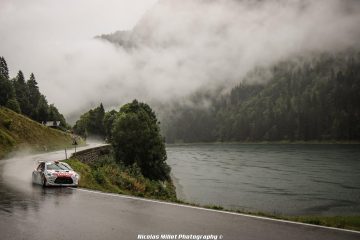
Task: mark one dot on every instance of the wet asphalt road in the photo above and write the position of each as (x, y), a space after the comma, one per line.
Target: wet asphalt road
(31, 212)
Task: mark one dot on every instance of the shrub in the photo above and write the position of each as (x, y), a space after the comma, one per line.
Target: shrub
(99, 176)
(7, 123)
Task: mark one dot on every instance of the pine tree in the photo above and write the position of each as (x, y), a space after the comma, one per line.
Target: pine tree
(22, 93)
(7, 91)
(4, 71)
(54, 115)
(5, 85)
(42, 109)
(34, 95)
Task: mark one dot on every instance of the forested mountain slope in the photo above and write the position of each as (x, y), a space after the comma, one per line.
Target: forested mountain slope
(304, 98)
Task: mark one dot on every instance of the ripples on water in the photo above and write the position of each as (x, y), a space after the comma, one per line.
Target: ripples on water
(282, 179)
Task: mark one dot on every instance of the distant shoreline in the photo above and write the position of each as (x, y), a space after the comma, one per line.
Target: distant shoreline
(269, 143)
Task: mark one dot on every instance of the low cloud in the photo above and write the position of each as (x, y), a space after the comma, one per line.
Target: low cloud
(176, 49)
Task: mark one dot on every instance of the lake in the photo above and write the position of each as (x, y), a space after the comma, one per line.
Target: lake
(293, 179)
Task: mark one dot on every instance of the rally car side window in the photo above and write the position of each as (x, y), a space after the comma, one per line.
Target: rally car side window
(41, 167)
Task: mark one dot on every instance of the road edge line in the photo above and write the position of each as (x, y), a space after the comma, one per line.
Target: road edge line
(214, 210)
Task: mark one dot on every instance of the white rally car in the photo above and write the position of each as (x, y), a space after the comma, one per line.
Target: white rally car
(55, 173)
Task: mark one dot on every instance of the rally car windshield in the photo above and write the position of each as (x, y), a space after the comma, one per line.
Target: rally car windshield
(58, 166)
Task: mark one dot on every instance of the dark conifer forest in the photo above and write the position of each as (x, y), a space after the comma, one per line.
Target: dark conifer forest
(23, 96)
(304, 99)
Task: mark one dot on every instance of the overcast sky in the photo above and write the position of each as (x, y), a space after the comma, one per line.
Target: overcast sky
(185, 45)
(36, 35)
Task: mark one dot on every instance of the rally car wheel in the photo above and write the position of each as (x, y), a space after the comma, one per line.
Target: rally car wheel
(43, 181)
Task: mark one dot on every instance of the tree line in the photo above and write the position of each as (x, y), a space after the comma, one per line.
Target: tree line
(304, 99)
(134, 133)
(23, 96)
(91, 123)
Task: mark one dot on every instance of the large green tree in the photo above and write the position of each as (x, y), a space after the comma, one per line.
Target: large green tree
(96, 121)
(109, 119)
(136, 139)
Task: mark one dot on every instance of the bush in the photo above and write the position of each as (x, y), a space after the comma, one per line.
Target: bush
(7, 123)
(99, 176)
(13, 104)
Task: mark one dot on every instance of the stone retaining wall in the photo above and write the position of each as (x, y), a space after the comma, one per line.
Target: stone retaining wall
(91, 154)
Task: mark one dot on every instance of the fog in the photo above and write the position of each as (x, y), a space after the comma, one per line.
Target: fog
(178, 47)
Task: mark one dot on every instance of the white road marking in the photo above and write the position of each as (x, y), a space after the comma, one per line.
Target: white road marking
(213, 210)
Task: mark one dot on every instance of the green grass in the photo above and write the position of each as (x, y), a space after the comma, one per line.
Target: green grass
(107, 176)
(18, 132)
(346, 222)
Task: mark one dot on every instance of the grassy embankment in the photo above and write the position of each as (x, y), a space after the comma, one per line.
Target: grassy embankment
(18, 132)
(108, 176)
(345, 222)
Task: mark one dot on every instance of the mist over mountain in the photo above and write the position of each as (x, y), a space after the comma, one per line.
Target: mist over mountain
(176, 49)
(179, 47)
(313, 99)
(191, 58)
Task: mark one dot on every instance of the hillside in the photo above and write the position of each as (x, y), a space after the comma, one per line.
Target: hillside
(24, 96)
(18, 132)
(303, 99)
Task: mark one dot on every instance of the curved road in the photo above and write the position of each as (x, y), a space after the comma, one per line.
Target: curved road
(31, 212)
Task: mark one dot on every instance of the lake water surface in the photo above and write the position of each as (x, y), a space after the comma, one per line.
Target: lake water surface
(283, 179)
